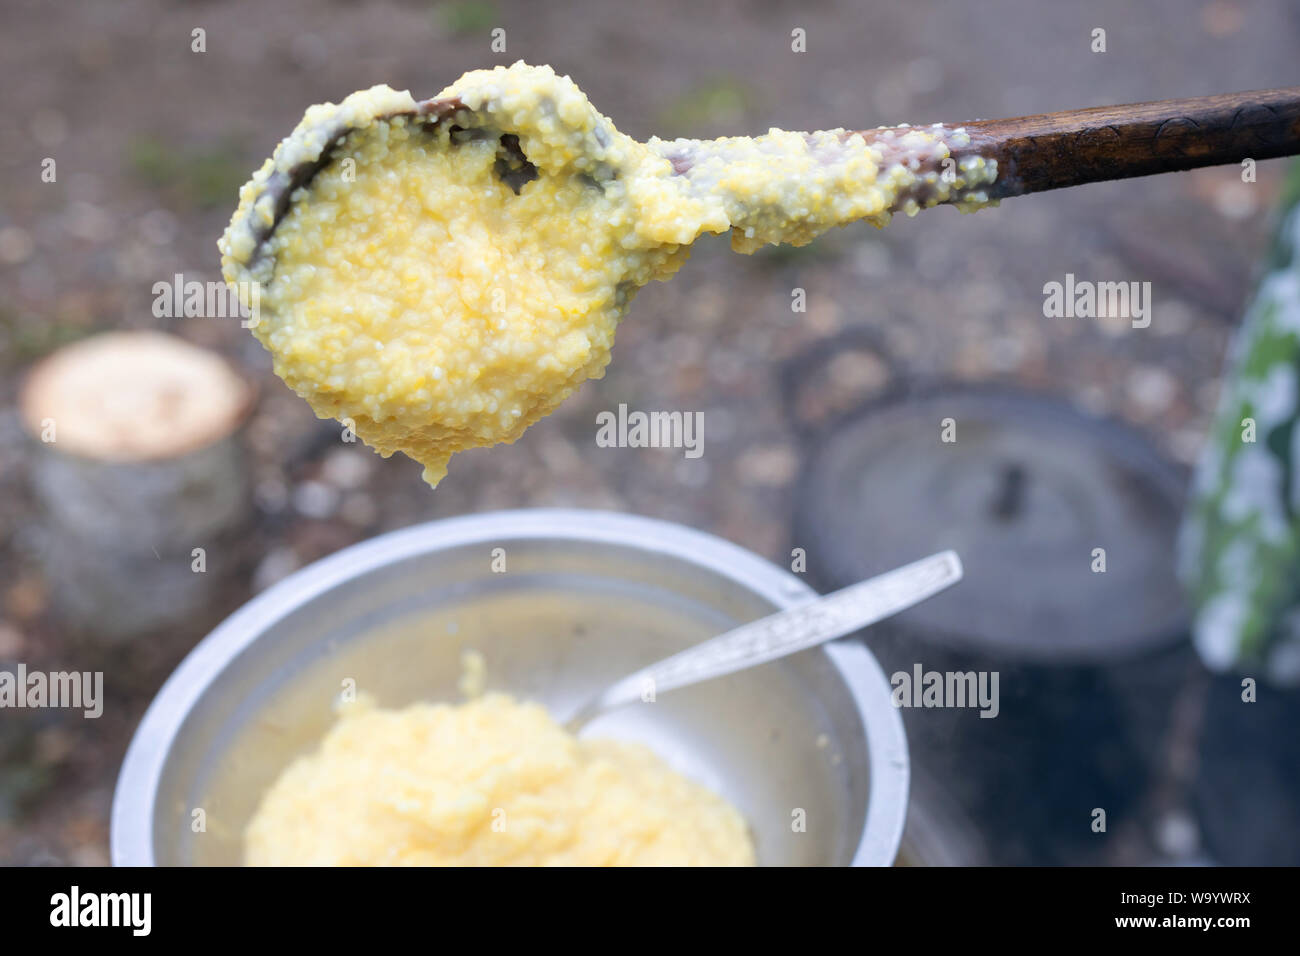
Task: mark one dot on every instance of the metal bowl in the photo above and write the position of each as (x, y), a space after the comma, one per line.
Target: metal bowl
(585, 597)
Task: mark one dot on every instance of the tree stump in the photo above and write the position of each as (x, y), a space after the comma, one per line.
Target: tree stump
(140, 473)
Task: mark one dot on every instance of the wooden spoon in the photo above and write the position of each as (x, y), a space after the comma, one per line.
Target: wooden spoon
(1033, 153)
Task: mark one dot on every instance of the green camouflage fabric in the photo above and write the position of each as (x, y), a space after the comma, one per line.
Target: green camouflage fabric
(1239, 553)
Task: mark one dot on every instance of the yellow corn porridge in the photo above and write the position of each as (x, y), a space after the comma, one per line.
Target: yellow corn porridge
(446, 279)
(491, 782)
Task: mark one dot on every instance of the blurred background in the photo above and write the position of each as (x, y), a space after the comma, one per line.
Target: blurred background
(153, 140)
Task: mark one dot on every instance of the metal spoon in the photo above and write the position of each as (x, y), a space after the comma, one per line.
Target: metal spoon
(778, 635)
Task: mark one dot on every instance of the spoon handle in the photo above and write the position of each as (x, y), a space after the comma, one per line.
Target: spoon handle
(1054, 150)
(801, 627)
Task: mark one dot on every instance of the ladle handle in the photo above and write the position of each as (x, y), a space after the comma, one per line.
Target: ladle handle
(1054, 150)
(777, 635)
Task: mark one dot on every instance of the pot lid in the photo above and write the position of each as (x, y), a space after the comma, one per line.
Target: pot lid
(1025, 493)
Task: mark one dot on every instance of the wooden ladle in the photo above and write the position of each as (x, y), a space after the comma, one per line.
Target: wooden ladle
(1033, 153)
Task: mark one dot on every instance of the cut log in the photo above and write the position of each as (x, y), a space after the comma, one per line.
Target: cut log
(136, 462)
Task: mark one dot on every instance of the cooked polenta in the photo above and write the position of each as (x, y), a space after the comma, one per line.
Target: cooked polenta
(440, 283)
(491, 782)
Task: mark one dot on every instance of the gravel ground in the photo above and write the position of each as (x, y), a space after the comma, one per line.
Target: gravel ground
(152, 141)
